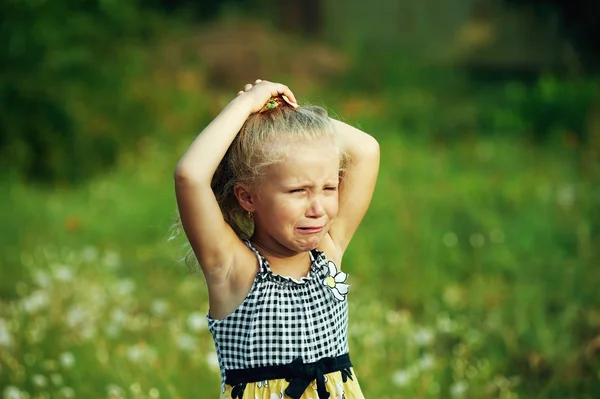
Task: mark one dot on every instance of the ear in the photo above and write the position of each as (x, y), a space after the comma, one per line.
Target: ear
(244, 197)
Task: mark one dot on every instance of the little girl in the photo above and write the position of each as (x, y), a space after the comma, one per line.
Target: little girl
(270, 194)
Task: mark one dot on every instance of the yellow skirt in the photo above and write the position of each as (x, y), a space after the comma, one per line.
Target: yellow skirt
(275, 389)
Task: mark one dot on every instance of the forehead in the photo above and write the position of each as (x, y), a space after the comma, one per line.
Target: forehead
(315, 161)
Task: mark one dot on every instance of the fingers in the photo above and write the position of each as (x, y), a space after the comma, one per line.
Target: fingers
(276, 89)
(248, 87)
(288, 96)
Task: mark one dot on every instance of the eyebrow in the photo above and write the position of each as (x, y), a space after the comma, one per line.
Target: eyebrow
(309, 184)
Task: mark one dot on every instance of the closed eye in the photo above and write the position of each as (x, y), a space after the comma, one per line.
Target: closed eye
(331, 188)
(296, 190)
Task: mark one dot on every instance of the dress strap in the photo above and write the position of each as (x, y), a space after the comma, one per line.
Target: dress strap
(298, 373)
(262, 262)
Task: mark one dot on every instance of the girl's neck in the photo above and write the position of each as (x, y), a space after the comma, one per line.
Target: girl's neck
(296, 264)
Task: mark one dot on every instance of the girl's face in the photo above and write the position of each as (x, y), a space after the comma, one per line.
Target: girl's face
(297, 199)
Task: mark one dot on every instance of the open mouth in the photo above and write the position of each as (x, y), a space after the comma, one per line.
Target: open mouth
(310, 229)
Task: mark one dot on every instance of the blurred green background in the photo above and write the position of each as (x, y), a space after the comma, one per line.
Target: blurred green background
(475, 272)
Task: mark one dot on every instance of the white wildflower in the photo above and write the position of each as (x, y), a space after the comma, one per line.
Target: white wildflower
(11, 392)
(63, 273)
(159, 307)
(135, 388)
(135, 354)
(196, 321)
(140, 353)
(89, 254)
(41, 278)
(76, 316)
(111, 259)
(212, 360)
(56, 379)
(397, 317)
(118, 316)
(112, 330)
(458, 389)
(423, 336)
(114, 391)
(125, 287)
(66, 392)
(88, 331)
(445, 324)
(427, 362)
(450, 239)
(186, 342)
(6, 340)
(401, 378)
(67, 359)
(565, 196)
(36, 301)
(39, 380)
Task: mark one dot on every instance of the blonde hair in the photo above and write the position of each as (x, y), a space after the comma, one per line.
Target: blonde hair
(262, 141)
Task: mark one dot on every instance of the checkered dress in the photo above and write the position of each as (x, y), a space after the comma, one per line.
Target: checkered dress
(282, 319)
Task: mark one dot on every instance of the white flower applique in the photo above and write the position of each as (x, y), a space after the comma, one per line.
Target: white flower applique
(336, 281)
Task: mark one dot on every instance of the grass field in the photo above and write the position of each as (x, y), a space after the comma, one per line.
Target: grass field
(474, 275)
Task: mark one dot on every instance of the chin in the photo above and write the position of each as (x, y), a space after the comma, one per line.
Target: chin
(310, 244)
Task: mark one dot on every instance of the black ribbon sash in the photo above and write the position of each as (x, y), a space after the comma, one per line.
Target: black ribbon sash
(297, 373)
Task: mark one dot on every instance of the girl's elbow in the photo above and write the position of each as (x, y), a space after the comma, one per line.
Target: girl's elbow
(185, 175)
(371, 147)
(181, 173)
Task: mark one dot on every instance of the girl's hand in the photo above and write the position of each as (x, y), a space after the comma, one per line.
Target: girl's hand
(262, 90)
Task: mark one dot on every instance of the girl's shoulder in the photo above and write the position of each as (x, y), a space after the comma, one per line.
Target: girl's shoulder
(330, 250)
(226, 296)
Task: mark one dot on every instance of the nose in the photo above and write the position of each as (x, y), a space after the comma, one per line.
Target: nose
(315, 208)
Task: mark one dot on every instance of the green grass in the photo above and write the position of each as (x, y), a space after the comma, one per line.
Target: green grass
(473, 276)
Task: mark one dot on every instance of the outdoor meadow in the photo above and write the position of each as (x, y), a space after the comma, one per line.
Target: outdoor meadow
(475, 273)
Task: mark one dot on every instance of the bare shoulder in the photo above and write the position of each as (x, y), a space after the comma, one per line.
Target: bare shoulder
(331, 251)
(227, 293)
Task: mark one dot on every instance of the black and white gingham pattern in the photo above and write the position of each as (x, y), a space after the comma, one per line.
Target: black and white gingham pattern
(282, 319)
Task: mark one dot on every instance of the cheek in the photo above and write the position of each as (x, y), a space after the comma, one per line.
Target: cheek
(286, 207)
(332, 206)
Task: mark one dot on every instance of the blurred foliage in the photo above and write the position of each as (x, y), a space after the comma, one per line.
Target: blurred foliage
(83, 83)
(551, 107)
(577, 19)
(64, 100)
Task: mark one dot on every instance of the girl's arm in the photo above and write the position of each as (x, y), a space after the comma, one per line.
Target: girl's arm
(358, 184)
(211, 238)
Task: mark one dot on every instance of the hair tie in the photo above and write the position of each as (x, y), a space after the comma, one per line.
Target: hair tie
(273, 103)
